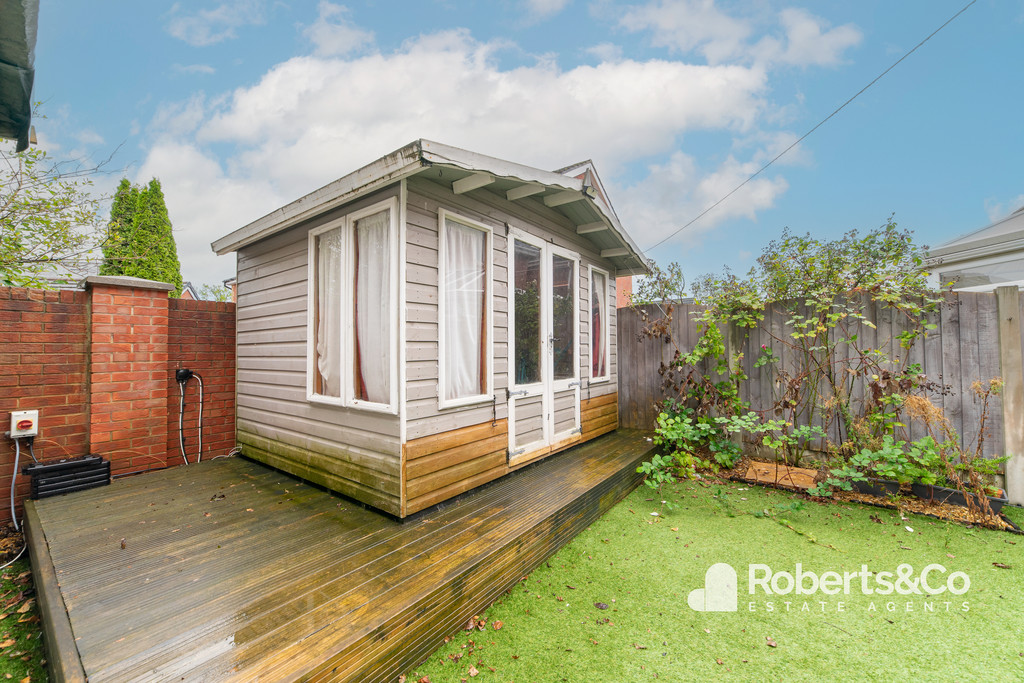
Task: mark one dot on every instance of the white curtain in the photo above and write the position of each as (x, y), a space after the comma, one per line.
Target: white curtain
(328, 328)
(598, 326)
(464, 292)
(373, 309)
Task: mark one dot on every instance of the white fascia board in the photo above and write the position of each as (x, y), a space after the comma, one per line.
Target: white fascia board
(613, 220)
(983, 247)
(400, 164)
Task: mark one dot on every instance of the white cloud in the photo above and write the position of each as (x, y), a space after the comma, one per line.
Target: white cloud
(333, 34)
(89, 137)
(312, 119)
(179, 119)
(700, 26)
(545, 8)
(211, 26)
(606, 52)
(205, 69)
(676, 192)
(204, 203)
(998, 210)
(690, 25)
(807, 42)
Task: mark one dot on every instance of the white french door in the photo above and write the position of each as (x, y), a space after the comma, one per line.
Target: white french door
(544, 363)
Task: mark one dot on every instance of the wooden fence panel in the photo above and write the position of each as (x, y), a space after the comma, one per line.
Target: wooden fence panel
(963, 349)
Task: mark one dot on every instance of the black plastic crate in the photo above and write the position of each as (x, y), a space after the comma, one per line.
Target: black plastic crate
(65, 476)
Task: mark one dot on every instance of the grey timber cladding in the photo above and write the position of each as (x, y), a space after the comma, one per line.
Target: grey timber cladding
(424, 200)
(355, 452)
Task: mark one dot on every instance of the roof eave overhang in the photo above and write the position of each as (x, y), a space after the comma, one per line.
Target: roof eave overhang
(413, 159)
(400, 164)
(966, 251)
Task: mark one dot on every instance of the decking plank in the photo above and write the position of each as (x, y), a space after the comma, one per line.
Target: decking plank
(303, 585)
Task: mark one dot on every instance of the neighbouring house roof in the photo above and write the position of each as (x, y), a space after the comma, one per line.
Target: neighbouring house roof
(577, 194)
(18, 25)
(992, 255)
(188, 291)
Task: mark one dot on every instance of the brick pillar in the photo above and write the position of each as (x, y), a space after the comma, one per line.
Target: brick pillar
(128, 375)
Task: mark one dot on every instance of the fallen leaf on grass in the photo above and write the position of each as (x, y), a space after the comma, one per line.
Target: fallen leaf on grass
(30, 619)
(600, 605)
(472, 671)
(718, 660)
(7, 643)
(771, 641)
(425, 679)
(497, 625)
(1001, 565)
(28, 605)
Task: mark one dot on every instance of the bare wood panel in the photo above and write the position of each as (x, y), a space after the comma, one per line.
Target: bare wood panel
(421, 448)
(447, 464)
(493, 462)
(470, 450)
(436, 496)
(374, 488)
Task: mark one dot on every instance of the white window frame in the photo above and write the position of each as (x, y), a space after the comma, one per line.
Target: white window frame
(544, 293)
(559, 385)
(606, 318)
(347, 223)
(488, 370)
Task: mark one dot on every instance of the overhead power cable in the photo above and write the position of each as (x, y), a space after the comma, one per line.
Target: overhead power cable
(805, 135)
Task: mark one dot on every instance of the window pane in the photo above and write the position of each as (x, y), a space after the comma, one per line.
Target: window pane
(563, 328)
(598, 326)
(372, 303)
(465, 295)
(327, 325)
(527, 313)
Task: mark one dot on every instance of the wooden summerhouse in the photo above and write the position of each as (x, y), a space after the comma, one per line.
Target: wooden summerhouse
(428, 323)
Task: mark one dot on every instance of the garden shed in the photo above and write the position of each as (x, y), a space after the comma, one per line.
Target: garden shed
(428, 323)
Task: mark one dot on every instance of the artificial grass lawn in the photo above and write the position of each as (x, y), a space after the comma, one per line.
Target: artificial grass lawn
(22, 656)
(643, 567)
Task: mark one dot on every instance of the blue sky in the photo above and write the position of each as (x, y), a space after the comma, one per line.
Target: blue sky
(240, 106)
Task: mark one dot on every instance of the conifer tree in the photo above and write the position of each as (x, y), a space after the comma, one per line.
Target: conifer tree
(141, 243)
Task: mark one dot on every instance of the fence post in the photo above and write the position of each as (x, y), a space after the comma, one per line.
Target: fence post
(1012, 368)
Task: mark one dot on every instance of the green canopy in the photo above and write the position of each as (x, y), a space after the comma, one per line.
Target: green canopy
(19, 20)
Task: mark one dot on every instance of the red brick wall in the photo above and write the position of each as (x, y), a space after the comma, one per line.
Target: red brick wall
(43, 366)
(128, 377)
(201, 338)
(99, 366)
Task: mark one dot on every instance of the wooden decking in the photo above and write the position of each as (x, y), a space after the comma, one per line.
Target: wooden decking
(228, 570)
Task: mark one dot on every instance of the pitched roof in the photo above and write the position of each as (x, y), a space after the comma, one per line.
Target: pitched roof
(1002, 236)
(581, 199)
